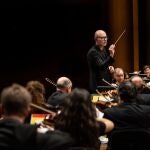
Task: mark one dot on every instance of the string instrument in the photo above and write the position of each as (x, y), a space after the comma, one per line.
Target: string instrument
(106, 98)
(49, 119)
(103, 99)
(113, 92)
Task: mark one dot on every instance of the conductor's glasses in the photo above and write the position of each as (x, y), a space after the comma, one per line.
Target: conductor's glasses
(102, 38)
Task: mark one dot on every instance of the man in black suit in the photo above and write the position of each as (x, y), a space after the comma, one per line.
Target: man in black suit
(100, 60)
(129, 114)
(14, 135)
(63, 87)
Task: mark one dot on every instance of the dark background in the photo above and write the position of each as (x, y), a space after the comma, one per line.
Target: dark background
(51, 40)
(144, 32)
(48, 40)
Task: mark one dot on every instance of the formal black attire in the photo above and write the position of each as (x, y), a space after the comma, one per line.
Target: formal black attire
(129, 116)
(99, 62)
(57, 98)
(17, 136)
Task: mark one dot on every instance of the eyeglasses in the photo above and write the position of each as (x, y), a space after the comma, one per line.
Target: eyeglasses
(102, 38)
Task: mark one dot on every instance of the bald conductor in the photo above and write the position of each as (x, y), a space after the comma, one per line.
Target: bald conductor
(100, 60)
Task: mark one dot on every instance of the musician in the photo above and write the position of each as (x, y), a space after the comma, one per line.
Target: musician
(37, 90)
(100, 60)
(78, 118)
(129, 114)
(146, 70)
(63, 87)
(139, 83)
(119, 76)
(18, 136)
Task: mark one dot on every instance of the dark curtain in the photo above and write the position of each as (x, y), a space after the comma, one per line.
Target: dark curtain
(144, 34)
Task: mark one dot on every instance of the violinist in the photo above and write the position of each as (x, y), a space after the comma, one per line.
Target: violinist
(146, 71)
(37, 90)
(63, 87)
(14, 134)
(128, 115)
(140, 85)
(119, 76)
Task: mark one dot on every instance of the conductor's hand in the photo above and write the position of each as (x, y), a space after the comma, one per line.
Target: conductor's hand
(112, 50)
(111, 69)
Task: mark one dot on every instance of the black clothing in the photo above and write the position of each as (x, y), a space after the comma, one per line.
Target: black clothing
(99, 61)
(129, 140)
(102, 128)
(129, 116)
(143, 99)
(80, 141)
(57, 98)
(17, 136)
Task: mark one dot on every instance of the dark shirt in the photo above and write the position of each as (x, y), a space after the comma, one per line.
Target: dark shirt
(17, 136)
(80, 141)
(129, 116)
(57, 98)
(99, 61)
(143, 99)
(102, 128)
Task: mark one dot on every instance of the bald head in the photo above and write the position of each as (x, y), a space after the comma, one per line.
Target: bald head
(137, 81)
(118, 70)
(100, 37)
(64, 84)
(119, 75)
(99, 33)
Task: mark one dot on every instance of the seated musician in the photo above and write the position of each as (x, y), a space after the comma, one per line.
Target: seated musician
(16, 135)
(146, 70)
(119, 76)
(129, 114)
(64, 86)
(140, 85)
(143, 96)
(37, 90)
(78, 118)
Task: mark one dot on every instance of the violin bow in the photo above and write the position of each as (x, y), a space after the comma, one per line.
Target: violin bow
(50, 81)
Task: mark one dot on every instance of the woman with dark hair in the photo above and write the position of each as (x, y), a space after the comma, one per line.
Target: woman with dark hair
(78, 118)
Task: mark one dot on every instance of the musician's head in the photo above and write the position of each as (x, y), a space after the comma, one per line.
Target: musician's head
(100, 38)
(15, 102)
(37, 90)
(78, 117)
(64, 84)
(127, 91)
(137, 81)
(146, 69)
(119, 75)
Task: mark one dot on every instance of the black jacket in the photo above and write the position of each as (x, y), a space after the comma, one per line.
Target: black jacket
(17, 136)
(98, 62)
(57, 98)
(129, 116)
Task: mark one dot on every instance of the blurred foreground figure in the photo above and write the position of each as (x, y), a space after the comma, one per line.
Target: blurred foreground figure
(14, 135)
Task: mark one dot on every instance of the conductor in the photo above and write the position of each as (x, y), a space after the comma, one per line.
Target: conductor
(100, 60)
